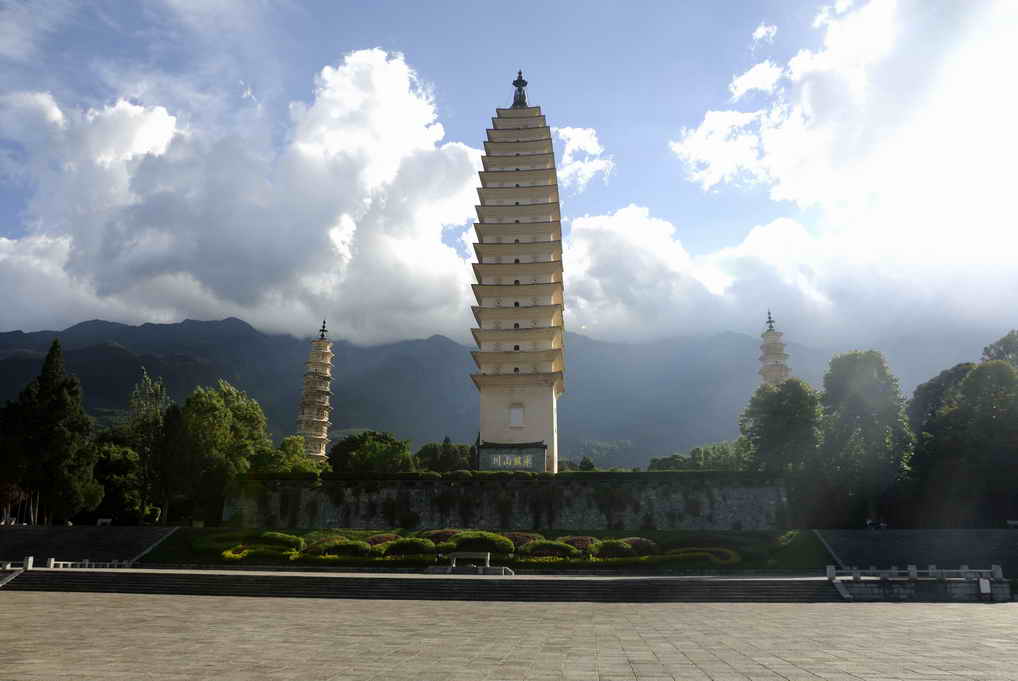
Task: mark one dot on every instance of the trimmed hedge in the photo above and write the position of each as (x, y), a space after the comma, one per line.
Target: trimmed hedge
(613, 548)
(521, 539)
(439, 536)
(581, 542)
(351, 548)
(477, 540)
(544, 547)
(643, 546)
(382, 538)
(410, 546)
(281, 539)
(324, 546)
(716, 554)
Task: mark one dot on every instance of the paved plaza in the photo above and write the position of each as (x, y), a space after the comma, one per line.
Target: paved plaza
(64, 636)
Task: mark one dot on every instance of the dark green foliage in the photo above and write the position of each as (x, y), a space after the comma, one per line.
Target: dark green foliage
(544, 547)
(520, 539)
(720, 456)
(642, 546)
(371, 452)
(933, 395)
(286, 459)
(444, 456)
(475, 540)
(118, 470)
(459, 475)
(410, 546)
(281, 539)
(586, 464)
(782, 426)
(613, 548)
(325, 546)
(48, 445)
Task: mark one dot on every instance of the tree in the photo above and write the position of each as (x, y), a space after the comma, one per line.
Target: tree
(930, 397)
(782, 425)
(371, 452)
(119, 470)
(586, 464)
(52, 434)
(966, 464)
(1005, 349)
(289, 457)
(443, 457)
(146, 410)
(866, 438)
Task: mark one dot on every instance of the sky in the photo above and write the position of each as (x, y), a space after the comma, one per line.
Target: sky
(846, 165)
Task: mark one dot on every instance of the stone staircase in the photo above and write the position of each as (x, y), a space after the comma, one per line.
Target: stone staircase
(642, 590)
(979, 549)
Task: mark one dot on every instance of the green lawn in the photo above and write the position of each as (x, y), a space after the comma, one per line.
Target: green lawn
(755, 550)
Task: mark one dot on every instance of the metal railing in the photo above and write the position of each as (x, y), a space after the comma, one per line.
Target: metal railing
(913, 572)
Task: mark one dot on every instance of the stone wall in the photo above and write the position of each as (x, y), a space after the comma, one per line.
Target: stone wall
(588, 502)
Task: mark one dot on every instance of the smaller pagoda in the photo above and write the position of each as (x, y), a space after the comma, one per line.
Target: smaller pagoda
(313, 416)
(773, 367)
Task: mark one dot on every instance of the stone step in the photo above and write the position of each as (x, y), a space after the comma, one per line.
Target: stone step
(512, 589)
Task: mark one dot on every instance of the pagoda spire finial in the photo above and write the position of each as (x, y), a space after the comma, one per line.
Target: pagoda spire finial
(323, 333)
(520, 98)
(770, 321)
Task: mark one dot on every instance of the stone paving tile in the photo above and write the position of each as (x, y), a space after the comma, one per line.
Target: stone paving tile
(87, 637)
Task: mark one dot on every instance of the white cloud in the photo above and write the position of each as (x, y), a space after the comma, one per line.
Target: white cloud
(24, 25)
(896, 133)
(764, 33)
(576, 172)
(763, 77)
(135, 217)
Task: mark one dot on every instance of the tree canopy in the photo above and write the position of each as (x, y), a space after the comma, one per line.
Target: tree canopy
(371, 451)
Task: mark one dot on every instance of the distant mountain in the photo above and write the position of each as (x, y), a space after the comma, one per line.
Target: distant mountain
(662, 397)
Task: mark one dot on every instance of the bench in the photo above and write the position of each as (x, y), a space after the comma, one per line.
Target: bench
(471, 555)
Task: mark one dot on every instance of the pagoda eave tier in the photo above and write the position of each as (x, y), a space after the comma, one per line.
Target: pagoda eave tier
(486, 230)
(494, 357)
(553, 378)
(546, 211)
(514, 163)
(522, 148)
(482, 314)
(501, 178)
(551, 334)
(538, 193)
(521, 112)
(528, 134)
(482, 291)
(510, 269)
(519, 122)
(553, 248)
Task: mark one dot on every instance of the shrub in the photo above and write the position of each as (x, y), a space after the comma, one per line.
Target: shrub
(235, 553)
(642, 546)
(581, 542)
(382, 538)
(544, 547)
(270, 551)
(321, 535)
(410, 546)
(524, 475)
(378, 550)
(521, 539)
(613, 548)
(459, 475)
(351, 548)
(445, 547)
(476, 540)
(325, 546)
(439, 535)
(281, 539)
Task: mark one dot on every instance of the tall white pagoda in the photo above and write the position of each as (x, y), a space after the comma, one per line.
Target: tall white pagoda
(313, 417)
(521, 339)
(773, 367)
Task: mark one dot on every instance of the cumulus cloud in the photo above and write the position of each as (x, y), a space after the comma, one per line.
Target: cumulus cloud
(763, 77)
(896, 135)
(577, 172)
(764, 33)
(135, 213)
